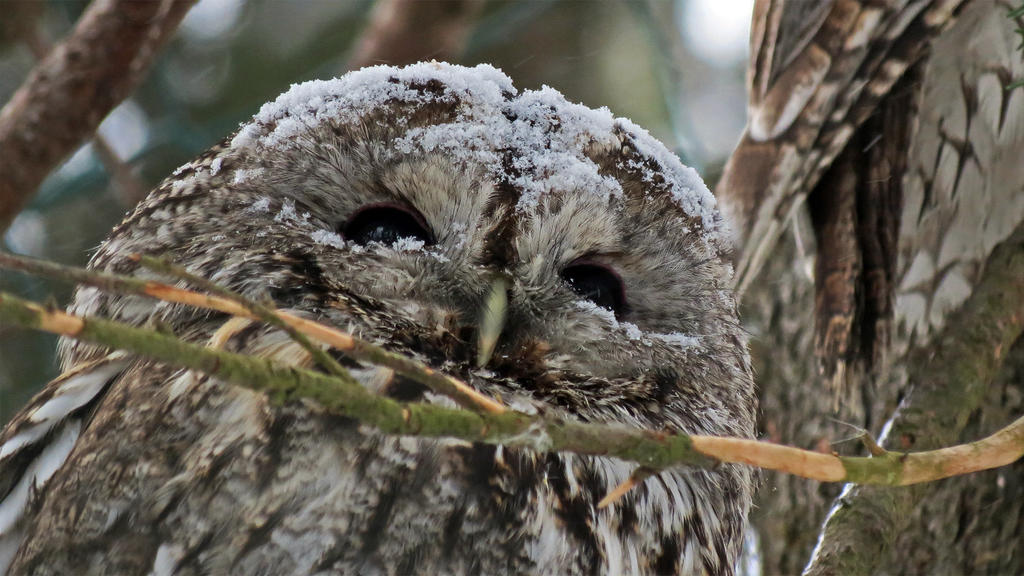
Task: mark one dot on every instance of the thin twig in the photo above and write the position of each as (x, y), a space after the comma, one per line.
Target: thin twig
(873, 447)
(439, 382)
(264, 313)
(635, 479)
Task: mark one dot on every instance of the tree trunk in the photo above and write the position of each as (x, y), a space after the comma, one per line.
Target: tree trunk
(897, 231)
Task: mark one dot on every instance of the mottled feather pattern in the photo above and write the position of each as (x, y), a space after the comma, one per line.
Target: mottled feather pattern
(803, 114)
(179, 473)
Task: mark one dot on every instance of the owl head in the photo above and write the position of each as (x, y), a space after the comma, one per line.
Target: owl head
(390, 200)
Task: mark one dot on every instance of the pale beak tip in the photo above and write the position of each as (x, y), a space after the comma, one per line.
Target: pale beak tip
(492, 320)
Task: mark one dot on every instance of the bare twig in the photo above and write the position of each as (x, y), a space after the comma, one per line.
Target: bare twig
(128, 187)
(635, 479)
(360, 350)
(406, 31)
(74, 87)
(345, 397)
(264, 313)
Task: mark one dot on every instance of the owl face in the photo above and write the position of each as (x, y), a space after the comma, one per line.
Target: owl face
(416, 188)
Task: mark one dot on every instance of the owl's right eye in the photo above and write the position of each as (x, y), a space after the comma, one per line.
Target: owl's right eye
(597, 283)
(386, 224)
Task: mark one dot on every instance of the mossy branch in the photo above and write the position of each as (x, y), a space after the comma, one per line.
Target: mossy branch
(342, 395)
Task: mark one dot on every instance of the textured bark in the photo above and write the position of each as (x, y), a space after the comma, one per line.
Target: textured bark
(973, 524)
(795, 408)
(855, 212)
(951, 159)
(948, 382)
(70, 91)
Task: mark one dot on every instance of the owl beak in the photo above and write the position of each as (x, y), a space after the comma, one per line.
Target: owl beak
(492, 320)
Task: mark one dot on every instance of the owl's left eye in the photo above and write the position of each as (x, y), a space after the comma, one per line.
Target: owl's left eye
(386, 224)
(597, 283)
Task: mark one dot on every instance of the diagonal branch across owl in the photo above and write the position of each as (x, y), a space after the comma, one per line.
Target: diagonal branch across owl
(891, 468)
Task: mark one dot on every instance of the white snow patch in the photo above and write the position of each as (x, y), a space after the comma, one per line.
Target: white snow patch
(439, 256)
(243, 175)
(354, 95)
(260, 205)
(604, 313)
(182, 183)
(327, 238)
(547, 136)
(408, 244)
(289, 214)
(633, 331)
(215, 166)
(678, 339)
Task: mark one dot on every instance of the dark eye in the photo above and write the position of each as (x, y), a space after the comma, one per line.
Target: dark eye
(386, 223)
(597, 283)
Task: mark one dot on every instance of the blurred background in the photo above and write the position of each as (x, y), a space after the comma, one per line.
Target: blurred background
(676, 67)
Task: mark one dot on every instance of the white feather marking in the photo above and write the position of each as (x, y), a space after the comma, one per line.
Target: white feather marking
(74, 393)
(612, 546)
(54, 455)
(24, 439)
(166, 561)
(9, 545)
(181, 384)
(36, 476)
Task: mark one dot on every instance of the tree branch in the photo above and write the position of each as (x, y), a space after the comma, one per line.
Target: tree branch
(74, 87)
(948, 379)
(340, 394)
(264, 313)
(344, 396)
(234, 304)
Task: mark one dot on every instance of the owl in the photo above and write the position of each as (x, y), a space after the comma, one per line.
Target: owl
(384, 203)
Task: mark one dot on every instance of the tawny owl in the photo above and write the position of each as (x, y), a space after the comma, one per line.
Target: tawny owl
(384, 203)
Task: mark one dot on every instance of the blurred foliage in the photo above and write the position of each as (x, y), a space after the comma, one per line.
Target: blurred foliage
(230, 56)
